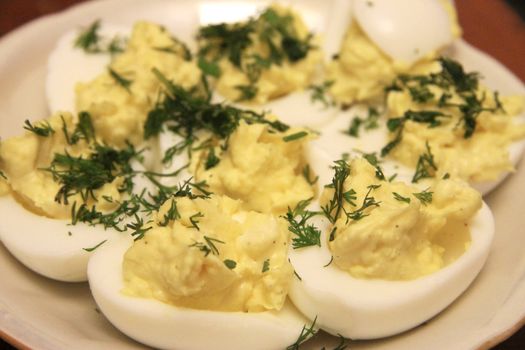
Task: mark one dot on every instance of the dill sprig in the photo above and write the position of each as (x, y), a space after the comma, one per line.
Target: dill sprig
(92, 42)
(187, 111)
(43, 128)
(79, 175)
(208, 246)
(368, 123)
(333, 209)
(319, 93)
(120, 80)
(426, 166)
(425, 197)
(306, 333)
(305, 234)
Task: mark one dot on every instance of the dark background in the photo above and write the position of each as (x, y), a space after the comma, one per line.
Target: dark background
(494, 26)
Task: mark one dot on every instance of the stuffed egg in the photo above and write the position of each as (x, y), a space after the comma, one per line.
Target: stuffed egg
(59, 179)
(376, 276)
(385, 39)
(212, 268)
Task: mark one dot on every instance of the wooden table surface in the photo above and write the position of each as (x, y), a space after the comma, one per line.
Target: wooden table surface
(491, 25)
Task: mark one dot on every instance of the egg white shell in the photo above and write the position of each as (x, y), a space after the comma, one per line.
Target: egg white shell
(405, 30)
(44, 245)
(368, 309)
(169, 327)
(68, 65)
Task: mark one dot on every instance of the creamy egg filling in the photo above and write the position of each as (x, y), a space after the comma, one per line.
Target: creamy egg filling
(393, 231)
(361, 71)
(120, 98)
(467, 128)
(260, 59)
(27, 163)
(261, 167)
(211, 255)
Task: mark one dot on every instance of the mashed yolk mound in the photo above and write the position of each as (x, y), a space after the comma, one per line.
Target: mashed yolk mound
(261, 169)
(213, 256)
(401, 239)
(24, 158)
(118, 111)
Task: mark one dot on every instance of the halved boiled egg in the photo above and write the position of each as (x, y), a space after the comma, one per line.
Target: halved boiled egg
(167, 326)
(368, 308)
(406, 30)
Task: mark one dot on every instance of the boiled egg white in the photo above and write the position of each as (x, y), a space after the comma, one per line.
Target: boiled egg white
(164, 326)
(53, 247)
(68, 65)
(405, 30)
(373, 308)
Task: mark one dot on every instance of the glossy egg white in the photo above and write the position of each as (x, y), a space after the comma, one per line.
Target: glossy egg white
(68, 65)
(373, 308)
(405, 30)
(53, 247)
(164, 326)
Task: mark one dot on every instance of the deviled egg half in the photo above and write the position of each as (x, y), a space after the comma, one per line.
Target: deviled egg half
(391, 255)
(207, 275)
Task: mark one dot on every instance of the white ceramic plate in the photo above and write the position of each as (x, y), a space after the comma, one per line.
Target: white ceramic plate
(44, 315)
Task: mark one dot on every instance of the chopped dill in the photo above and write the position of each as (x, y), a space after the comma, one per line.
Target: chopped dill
(296, 136)
(95, 247)
(426, 167)
(266, 266)
(306, 333)
(231, 264)
(305, 235)
(42, 129)
(400, 198)
(319, 93)
(120, 80)
(425, 197)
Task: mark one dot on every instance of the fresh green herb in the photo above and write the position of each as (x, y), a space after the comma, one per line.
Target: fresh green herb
(334, 207)
(187, 112)
(297, 275)
(306, 333)
(305, 234)
(374, 161)
(91, 42)
(78, 175)
(95, 247)
(307, 174)
(426, 167)
(332, 234)
(328, 263)
(319, 93)
(432, 118)
(369, 123)
(89, 39)
(247, 92)
(446, 176)
(120, 80)
(296, 136)
(171, 214)
(424, 197)
(138, 228)
(212, 160)
(2, 175)
(209, 68)
(44, 129)
(392, 178)
(368, 202)
(208, 246)
(266, 265)
(231, 264)
(194, 220)
(400, 198)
